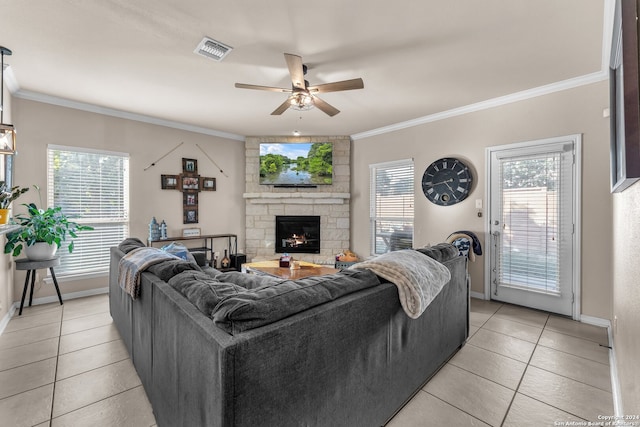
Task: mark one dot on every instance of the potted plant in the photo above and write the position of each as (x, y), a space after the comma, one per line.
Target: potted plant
(8, 195)
(42, 232)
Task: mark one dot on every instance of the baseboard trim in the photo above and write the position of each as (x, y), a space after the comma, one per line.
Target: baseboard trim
(615, 380)
(595, 321)
(478, 295)
(613, 369)
(5, 320)
(67, 296)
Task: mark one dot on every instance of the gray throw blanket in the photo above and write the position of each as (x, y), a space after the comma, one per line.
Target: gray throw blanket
(418, 277)
(134, 263)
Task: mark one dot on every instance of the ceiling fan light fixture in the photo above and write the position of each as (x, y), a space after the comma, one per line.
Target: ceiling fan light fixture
(302, 97)
(212, 49)
(301, 101)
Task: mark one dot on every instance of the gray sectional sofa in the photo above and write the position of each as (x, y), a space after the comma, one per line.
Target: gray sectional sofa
(350, 357)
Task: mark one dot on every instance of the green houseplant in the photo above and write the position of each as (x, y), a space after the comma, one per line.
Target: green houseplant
(8, 195)
(49, 226)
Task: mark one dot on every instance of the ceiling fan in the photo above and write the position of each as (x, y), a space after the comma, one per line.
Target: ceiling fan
(303, 96)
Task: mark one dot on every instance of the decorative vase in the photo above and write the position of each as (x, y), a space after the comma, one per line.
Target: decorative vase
(41, 251)
(4, 216)
(226, 262)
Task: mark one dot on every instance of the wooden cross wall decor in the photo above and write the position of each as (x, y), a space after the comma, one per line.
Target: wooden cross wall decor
(190, 184)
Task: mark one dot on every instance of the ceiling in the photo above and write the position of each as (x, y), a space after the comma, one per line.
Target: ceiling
(418, 58)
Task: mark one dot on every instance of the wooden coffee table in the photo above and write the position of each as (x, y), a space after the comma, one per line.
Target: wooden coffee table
(272, 268)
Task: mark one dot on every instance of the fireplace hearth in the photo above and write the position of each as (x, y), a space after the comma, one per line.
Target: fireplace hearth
(297, 234)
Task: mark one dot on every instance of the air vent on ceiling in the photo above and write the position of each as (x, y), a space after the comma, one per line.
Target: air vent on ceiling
(212, 49)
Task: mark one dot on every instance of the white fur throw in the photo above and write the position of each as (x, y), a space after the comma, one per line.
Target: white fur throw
(418, 277)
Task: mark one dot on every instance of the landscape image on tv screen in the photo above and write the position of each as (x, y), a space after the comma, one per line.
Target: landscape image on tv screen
(296, 163)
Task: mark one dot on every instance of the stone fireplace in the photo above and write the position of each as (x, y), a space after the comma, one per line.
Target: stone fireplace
(330, 203)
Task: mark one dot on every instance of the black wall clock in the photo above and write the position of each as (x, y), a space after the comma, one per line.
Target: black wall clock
(447, 181)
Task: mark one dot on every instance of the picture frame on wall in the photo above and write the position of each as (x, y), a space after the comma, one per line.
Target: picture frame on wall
(189, 166)
(190, 199)
(190, 183)
(169, 182)
(190, 215)
(624, 100)
(207, 184)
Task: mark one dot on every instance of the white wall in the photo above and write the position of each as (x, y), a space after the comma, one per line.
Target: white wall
(626, 294)
(573, 111)
(222, 211)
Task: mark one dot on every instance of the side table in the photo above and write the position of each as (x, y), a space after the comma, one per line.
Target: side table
(31, 267)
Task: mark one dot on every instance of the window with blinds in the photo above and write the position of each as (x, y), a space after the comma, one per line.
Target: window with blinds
(92, 188)
(535, 225)
(391, 206)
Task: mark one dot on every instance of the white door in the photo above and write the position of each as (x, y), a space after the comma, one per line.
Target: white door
(533, 203)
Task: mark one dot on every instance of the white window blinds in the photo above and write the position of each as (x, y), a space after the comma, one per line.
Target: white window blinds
(92, 188)
(536, 226)
(391, 206)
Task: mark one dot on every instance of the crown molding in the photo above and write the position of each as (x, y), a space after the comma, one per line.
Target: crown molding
(54, 100)
(608, 13)
(490, 103)
(479, 106)
(603, 74)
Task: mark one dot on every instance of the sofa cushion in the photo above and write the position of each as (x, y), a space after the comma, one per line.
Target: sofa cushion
(265, 305)
(200, 258)
(441, 252)
(202, 290)
(169, 268)
(129, 244)
(248, 281)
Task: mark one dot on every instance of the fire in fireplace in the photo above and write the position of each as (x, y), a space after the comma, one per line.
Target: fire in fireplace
(298, 234)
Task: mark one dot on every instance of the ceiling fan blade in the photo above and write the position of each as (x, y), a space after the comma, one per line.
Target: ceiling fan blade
(282, 108)
(323, 106)
(338, 86)
(294, 62)
(269, 88)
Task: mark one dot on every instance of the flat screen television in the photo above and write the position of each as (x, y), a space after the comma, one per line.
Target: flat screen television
(296, 164)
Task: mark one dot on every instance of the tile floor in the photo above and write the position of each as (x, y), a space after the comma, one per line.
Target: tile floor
(520, 367)
(66, 366)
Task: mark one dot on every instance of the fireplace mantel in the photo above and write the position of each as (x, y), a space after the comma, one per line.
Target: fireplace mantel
(297, 198)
